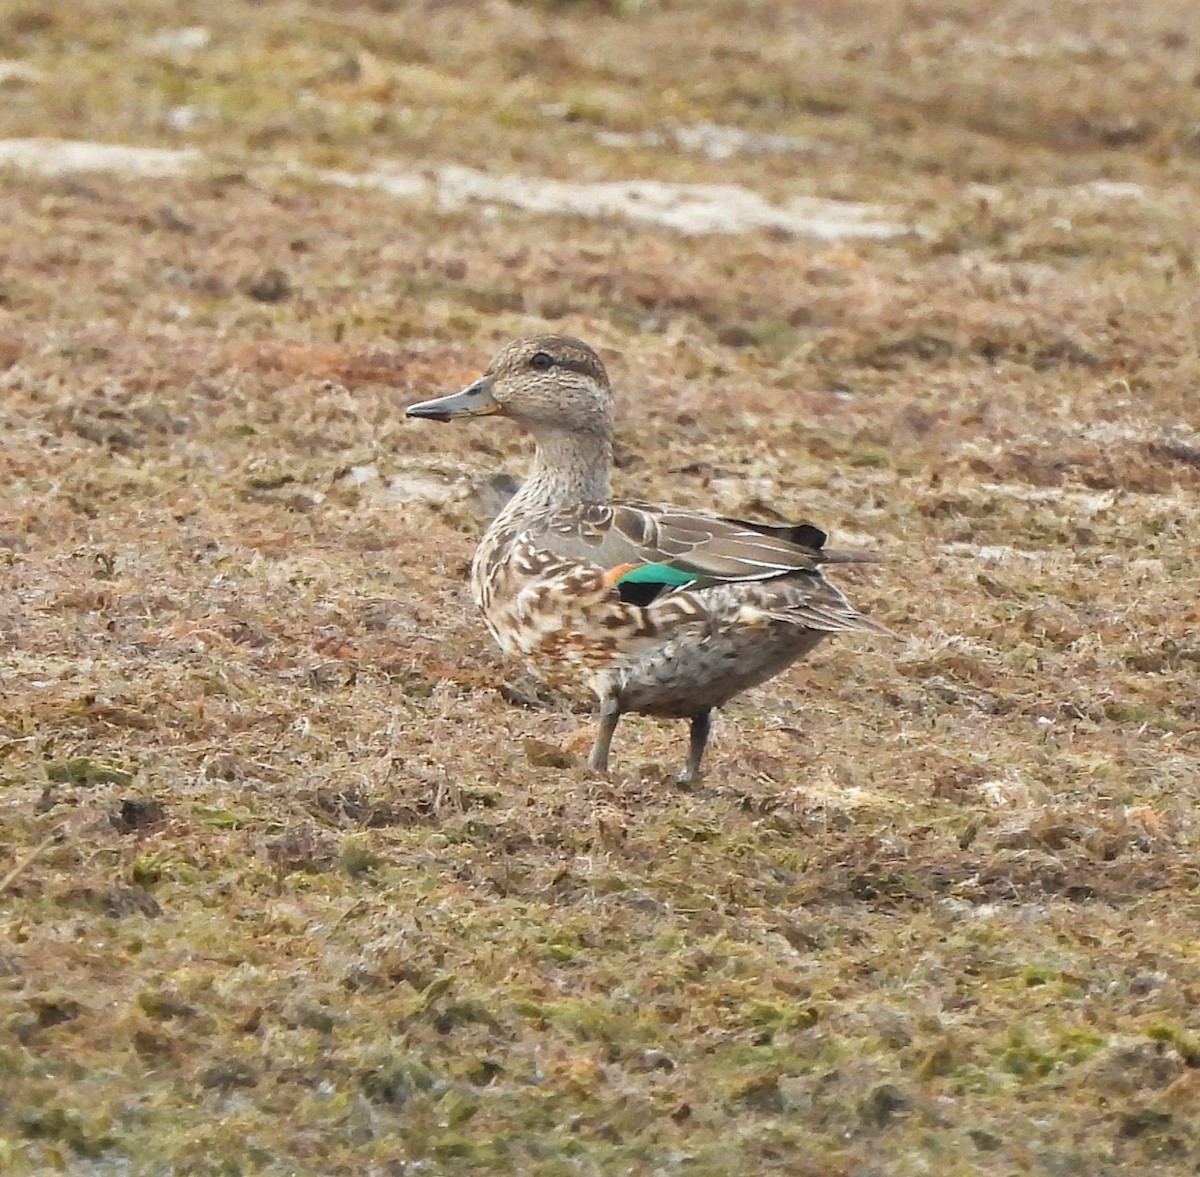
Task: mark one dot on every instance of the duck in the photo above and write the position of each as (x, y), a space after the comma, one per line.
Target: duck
(658, 609)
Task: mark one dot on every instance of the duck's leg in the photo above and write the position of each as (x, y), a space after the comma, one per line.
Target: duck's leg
(610, 712)
(701, 725)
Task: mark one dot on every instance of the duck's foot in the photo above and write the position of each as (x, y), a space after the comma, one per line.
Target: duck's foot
(610, 713)
(701, 725)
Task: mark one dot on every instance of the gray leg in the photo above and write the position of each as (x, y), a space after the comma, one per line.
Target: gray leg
(610, 712)
(698, 739)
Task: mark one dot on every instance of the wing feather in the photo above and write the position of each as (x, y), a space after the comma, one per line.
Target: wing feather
(708, 546)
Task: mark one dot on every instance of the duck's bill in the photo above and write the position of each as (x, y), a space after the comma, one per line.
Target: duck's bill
(475, 400)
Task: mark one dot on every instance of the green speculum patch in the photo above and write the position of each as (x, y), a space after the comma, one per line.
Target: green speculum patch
(656, 574)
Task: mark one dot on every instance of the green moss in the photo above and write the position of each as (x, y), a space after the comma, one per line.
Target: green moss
(1141, 712)
(83, 1132)
(394, 1079)
(148, 870)
(773, 1017)
(87, 771)
(221, 819)
(358, 858)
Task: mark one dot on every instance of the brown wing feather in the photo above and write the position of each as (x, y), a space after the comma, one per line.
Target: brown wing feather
(712, 547)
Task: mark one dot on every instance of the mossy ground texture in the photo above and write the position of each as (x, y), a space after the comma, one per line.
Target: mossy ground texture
(289, 885)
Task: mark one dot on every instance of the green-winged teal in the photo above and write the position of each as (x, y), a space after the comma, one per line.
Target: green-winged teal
(661, 610)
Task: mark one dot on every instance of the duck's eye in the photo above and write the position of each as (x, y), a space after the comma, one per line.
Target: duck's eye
(541, 360)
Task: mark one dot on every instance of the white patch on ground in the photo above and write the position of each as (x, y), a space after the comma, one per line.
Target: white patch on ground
(405, 185)
(183, 40)
(714, 140)
(415, 480)
(1069, 45)
(186, 117)
(921, 648)
(686, 208)
(357, 475)
(1106, 190)
(823, 791)
(1008, 790)
(1162, 433)
(421, 484)
(1090, 192)
(15, 74)
(862, 541)
(1085, 501)
(991, 552)
(60, 157)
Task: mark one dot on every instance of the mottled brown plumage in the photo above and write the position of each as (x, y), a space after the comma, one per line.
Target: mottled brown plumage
(659, 609)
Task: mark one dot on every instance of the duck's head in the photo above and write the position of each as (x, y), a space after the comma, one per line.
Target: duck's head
(548, 383)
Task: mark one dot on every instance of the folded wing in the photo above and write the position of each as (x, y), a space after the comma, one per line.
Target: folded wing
(692, 547)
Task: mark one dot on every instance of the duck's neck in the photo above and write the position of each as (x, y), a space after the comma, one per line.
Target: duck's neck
(568, 468)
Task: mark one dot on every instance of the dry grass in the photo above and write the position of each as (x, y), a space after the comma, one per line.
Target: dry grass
(286, 885)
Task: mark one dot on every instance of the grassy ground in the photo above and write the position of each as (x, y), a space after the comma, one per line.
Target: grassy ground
(287, 886)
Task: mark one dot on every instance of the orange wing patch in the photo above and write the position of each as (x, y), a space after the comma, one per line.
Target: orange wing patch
(614, 574)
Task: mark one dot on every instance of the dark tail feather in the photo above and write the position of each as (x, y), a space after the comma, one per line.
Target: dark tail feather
(805, 535)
